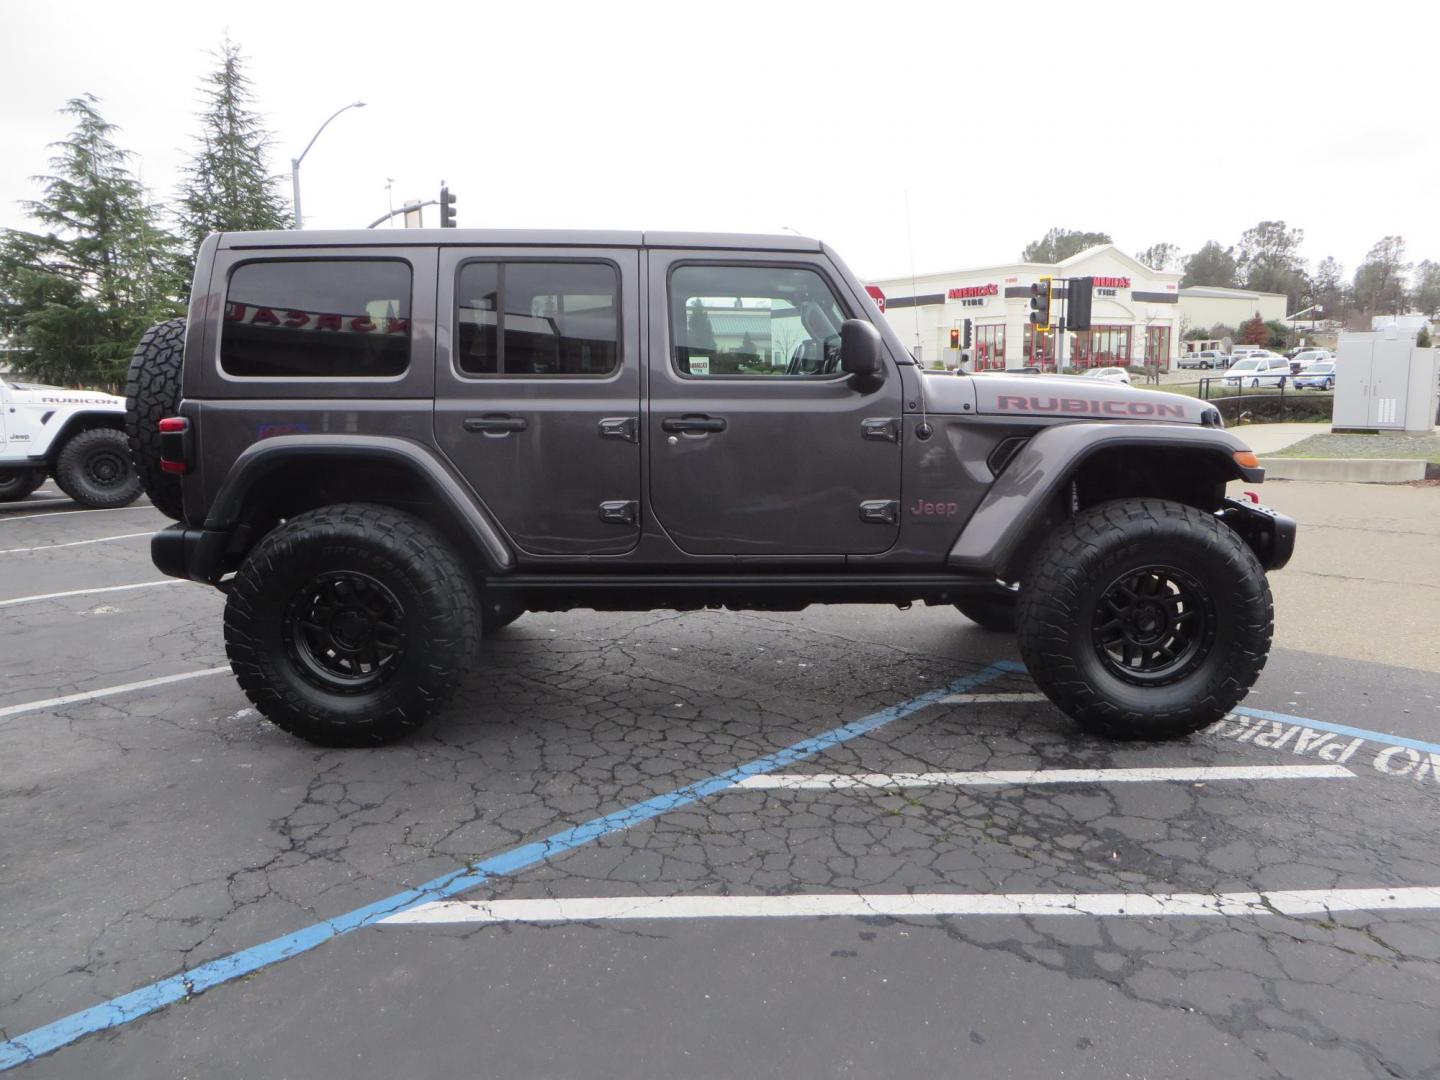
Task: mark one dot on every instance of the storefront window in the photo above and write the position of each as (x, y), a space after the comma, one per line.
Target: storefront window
(1101, 346)
(989, 347)
(1157, 346)
(1043, 355)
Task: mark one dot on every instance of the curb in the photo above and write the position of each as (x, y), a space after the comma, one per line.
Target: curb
(1347, 470)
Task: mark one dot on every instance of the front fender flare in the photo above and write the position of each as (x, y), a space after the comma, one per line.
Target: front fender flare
(1018, 500)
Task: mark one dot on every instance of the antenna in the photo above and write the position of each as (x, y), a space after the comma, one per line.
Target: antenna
(924, 430)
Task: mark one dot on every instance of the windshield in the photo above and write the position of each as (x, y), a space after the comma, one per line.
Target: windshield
(1245, 365)
(1319, 369)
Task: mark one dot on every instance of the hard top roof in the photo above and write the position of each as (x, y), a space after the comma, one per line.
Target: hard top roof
(515, 238)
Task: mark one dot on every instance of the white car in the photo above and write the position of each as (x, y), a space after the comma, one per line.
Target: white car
(1259, 369)
(76, 436)
(1109, 374)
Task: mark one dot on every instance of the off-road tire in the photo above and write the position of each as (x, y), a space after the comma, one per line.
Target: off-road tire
(15, 484)
(152, 392)
(994, 613)
(437, 613)
(94, 469)
(1089, 555)
(497, 614)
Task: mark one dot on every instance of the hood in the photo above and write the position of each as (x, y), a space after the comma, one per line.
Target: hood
(1074, 395)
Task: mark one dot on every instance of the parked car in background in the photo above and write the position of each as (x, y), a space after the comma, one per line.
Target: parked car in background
(1109, 374)
(1318, 376)
(1303, 358)
(1207, 359)
(1262, 368)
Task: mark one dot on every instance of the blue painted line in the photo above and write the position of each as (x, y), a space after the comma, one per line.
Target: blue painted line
(1343, 729)
(148, 999)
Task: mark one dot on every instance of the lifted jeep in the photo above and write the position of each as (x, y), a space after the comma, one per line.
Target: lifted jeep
(382, 445)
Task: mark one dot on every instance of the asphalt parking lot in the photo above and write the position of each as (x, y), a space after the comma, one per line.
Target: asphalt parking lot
(846, 842)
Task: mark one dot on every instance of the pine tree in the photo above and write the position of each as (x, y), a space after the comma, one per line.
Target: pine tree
(76, 295)
(227, 187)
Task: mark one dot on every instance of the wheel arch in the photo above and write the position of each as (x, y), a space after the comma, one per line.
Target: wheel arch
(277, 478)
(78, 423)
(1071, 466)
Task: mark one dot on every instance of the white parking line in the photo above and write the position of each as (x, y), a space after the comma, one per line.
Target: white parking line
(1025, 777)
(62, 513)
(76, 543)
(106, 691)
(87, 592)
(907, 905)
(981, 699)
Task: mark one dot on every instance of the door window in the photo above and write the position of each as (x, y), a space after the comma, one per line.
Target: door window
(755, 321)
(536, 319)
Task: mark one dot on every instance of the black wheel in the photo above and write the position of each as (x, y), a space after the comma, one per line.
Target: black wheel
(1255, 383)
(94, 469)
(351, 625)
(497, 614)
(152, 392)
(995, 613)
(15, 484)
(1145, 619)
(1329, 384)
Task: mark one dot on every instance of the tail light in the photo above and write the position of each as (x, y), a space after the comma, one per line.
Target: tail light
(175, 445)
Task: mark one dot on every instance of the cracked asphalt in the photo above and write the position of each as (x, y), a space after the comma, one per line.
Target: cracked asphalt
(145, 833)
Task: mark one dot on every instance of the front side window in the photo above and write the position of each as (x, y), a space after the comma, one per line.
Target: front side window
(528, 319)
(754, 320)
(317, 318)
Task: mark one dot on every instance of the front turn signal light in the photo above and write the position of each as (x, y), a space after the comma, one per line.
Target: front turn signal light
(1246, 459)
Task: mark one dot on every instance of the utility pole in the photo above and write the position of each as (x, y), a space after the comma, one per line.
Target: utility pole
(295, 162)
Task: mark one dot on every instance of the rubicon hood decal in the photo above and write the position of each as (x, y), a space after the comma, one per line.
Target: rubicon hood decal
(1074, 395)
(1035, 403)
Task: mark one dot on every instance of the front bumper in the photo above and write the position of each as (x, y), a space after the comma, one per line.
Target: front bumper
(1269, 533)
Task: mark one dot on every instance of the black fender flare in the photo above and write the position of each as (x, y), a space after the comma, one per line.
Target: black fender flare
(77, 422)
(1020, 497)
(199, 554)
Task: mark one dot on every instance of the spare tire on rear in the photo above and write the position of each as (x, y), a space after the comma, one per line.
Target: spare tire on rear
(152, 392)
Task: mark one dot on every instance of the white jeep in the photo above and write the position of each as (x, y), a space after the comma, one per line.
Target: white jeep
(76, 436)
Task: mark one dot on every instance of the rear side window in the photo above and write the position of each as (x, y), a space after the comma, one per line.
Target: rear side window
(529, 319)
(317, 319)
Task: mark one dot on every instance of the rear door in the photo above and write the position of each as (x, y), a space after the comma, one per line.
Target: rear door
(537, 391)
(759, 444)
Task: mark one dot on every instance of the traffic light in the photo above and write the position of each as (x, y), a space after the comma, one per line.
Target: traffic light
(1040, 303)
(954, 337)
(967, 333)
(447, 208)
(1082, 291)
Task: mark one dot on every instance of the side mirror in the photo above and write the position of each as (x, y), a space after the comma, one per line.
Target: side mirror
(860, 352)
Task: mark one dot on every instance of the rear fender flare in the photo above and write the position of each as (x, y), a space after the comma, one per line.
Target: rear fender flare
(262, 460)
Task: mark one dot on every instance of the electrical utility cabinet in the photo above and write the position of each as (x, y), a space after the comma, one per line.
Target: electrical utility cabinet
(1384, 383)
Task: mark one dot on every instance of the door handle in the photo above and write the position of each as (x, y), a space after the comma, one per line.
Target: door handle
(495, 425)
(692, 425)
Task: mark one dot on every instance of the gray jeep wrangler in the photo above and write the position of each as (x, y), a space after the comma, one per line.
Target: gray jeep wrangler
(381, 446)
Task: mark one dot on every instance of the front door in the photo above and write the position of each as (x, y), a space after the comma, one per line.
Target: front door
(759, 444)
(537, 391)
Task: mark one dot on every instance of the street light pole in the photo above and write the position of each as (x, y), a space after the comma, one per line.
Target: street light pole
(295, 162)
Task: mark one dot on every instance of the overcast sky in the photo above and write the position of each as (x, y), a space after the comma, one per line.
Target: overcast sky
(1157, 121)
